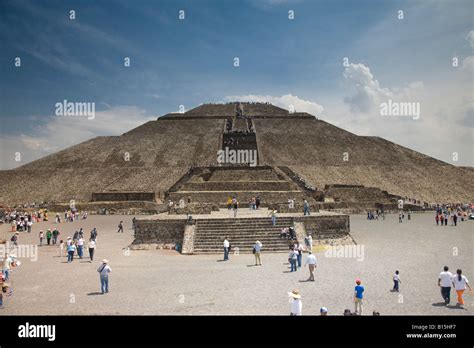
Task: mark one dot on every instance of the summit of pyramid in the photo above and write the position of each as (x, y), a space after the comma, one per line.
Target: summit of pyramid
(223, 110)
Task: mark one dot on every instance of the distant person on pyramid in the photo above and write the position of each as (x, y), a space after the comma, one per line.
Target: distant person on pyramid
(235, 206)
(273, 215)
(306, 207)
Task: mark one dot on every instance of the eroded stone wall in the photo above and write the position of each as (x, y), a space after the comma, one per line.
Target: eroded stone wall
(159, 231)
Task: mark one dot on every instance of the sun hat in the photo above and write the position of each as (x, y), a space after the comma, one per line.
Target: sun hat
(295, 294)
(105, 261)
(358, 281)
(323, 310)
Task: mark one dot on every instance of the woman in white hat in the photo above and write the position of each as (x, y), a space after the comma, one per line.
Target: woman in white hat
(295, 301)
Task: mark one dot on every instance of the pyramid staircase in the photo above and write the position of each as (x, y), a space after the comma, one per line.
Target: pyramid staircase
(242, 233)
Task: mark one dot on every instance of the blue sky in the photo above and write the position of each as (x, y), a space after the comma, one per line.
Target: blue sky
(190, 61)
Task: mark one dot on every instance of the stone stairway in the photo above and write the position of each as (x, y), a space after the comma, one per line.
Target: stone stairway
(241, 233)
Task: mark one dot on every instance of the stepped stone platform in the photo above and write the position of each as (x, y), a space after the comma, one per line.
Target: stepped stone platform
(216, 184)
(205, 233)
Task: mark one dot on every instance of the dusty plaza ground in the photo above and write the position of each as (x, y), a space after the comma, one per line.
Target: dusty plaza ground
(165, 282)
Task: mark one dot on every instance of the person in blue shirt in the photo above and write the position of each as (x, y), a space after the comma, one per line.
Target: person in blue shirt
(358, 296)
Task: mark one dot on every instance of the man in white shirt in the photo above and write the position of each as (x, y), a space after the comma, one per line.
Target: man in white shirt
(296, 304)
(104, 271)
(6, 266)
(226, 249)
(444, 282)
(311, 261)
(256, 251)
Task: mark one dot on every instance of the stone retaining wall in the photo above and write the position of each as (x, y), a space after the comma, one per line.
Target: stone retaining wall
(323, 227)
(159, 231)
(122, 207)
(123, 196)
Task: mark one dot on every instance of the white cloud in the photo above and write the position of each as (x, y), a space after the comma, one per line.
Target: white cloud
(367, 94)
(61, 132)
(284, 101)
(470, 38)
(468, 62)
(445, 105)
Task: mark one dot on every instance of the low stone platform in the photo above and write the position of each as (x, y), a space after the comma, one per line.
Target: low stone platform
(205, 233)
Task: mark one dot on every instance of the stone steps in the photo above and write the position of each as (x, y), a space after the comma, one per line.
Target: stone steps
(241, 233)
(228, 186)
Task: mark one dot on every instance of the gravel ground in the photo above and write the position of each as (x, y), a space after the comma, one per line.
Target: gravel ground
(165, 282)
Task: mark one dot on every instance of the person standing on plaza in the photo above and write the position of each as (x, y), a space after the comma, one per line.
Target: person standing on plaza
(311, 262)
(104, 271)
(299, 249)
(61, 248)
(94, 234)
(49, 234)
(71, 249)
(6, 266)
(292, 259)
(396, 281)
(91, 246)
(296, 305)
(444, 282)
(226, 249)
(120, 227)
(308, 241)
(460, 283)
(55, 236)
(256, 251)
(41, 236)
(358, 296)
(80, 247)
